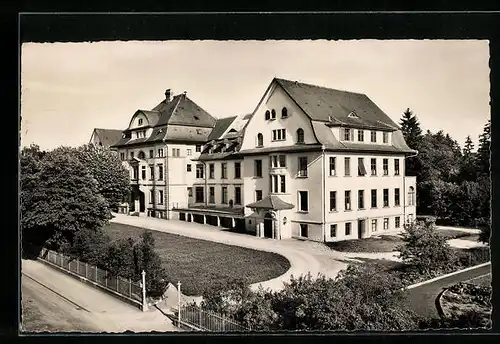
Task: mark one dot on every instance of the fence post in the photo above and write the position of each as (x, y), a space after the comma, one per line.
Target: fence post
(106, 278)
(130, 288)
(179, 302)
(77, 266)
(200, 316)
(95, 267)
(144, 301)
(223, 323)
(86, 266)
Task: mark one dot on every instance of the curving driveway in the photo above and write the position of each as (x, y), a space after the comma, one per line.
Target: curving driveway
(304, 256)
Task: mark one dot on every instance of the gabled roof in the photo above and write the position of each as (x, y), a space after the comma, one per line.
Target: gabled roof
(152, 116)
(221, 126)
(108, 137)
(334, 106)
(183, 111)
(271, 202)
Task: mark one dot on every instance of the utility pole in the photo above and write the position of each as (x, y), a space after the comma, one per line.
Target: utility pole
(179, 303)
(144, 301)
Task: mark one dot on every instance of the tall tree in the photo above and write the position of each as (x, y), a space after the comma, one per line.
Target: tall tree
(483, 150)
(467, 164)
(112, 178)
(411, 129)
(468, 146)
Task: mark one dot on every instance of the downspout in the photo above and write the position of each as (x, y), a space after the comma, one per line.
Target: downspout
(404, 186)
(323, 202)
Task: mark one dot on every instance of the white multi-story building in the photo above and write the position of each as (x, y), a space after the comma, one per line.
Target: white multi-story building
(310, 162)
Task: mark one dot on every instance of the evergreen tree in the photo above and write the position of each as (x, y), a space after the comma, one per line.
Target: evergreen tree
(483, 150)
(411, 129)
(468, 147)
(468, 165)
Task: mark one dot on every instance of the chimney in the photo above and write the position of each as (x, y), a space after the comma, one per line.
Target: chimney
(184, 93)
(168, 95)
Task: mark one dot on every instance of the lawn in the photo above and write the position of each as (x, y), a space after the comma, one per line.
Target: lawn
(388, 243)
(200, 264)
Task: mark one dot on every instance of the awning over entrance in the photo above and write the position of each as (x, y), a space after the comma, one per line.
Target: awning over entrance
(271, 202)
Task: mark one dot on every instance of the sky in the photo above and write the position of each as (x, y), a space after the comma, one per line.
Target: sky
(68, 89)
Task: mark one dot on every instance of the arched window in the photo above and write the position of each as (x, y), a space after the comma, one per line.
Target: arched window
(284, 113)
(141, 155)
(140, 121)
(260, 140)
(300, 135)
(268, 115)
(411, 195)
(273, 114)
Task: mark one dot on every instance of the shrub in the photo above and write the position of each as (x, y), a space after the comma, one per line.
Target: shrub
(120, 260)
(90, 246)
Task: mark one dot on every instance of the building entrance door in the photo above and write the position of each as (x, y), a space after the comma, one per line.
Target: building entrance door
(268, 228)
(361, 229)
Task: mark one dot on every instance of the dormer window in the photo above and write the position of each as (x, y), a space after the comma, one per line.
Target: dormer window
(273, 114)
(140, 121)
(385, 137)
(196, 118)
(300, 135)
(260, 140)
(348, 134)
(141, 155)
(268, 115)
(284, 113)
(353, 115)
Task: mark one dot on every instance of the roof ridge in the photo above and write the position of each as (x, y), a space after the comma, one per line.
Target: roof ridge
(318, 86)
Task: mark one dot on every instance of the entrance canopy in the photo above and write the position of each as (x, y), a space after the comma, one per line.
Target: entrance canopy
(271, 202)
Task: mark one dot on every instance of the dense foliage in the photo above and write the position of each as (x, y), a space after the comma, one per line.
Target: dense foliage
(452, 184)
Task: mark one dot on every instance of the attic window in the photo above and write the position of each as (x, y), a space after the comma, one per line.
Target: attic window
(268, 115)
(198, 131)
(353, 115)
(232, 130)
(197, 118)
(140, 121)
(284, 113)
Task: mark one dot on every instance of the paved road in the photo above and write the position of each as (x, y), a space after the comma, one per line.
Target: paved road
(87, 308)
(422, 299)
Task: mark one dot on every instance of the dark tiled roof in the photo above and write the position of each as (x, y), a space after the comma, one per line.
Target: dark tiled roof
(183, 111)
(271, 202)
(152, 116)
(108, 137)
(325, 104)
(292, 148)
(221, 126)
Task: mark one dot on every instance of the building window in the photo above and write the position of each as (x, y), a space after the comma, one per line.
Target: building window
(374, 225)
(347, 166)
(386, 197)
(361, 167)
(278, 160)
(140, 121)
(199, 194)
(279, 134)
(385, 137)
(273, 114)
(151, 196)
(396, 167)
(258, 168)
(274, 183)
(188, 167)
(373, 136)
(361, 199)
(141, 155)
(143, 172)
(160, 172)
(237, 170)
(333, 200)
(260, 140)
(373, 166)
(224, 195)
(152, 171)
(189, 151)
(374, 198)
(131, 155)
(190, 191)
(223, 173)
(333, 231)
(211, 171)
(348, 226)
(411, 196)
(302, 167)
(347, 134)
(386, 223)
(199, 170)
(304, 230)
(258, 195)
(122, 156)
(198, 148)
(268, 115)
(396, 197)
(303, 201)
(300, 135)
(347, 200)
(332, 166)
(211, 195)
(151, 153)
(237, 195)
(282, 184)
(397, 222)
(135, 172)
(176, 152)
(361, 135)
(160, 152)
(284, 113)
(160, 196)
(385, 164)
